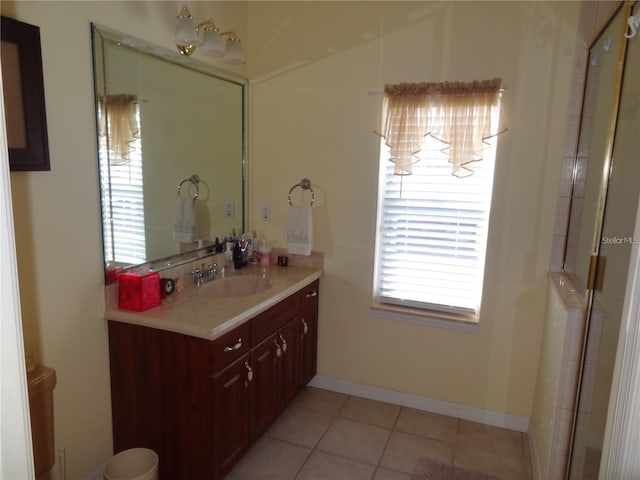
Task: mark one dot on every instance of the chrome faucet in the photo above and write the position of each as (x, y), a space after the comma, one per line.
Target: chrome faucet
(204, 274)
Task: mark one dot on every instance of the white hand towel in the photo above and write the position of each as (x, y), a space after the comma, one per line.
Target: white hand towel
(184, 228)
(300, 230)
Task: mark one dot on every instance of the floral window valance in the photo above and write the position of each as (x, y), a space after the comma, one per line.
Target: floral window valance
(457, 114)
(119, 125)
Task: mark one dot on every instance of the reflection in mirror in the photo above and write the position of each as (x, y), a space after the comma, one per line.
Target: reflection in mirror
(171, 142)
(594, 152)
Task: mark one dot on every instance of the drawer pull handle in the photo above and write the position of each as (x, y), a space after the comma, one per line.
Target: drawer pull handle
(305, 327)
(278, 349)
(249, 372)
(237, 346)
(284, 344)
(312, 294)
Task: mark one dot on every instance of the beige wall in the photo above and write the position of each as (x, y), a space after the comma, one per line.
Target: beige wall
(312, 117)
(57, 214)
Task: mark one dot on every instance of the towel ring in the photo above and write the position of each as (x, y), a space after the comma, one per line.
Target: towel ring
(195, 179)
(304, 184)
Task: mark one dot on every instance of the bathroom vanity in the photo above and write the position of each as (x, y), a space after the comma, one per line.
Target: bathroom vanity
(201, 377)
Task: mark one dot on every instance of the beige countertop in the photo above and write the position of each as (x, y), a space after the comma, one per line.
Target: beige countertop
(192, 312)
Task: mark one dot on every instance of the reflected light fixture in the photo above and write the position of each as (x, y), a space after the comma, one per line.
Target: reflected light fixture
(188, 38)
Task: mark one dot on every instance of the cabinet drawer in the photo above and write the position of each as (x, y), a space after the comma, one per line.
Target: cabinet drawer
(268, 322)
(230, 346)
(311, 293)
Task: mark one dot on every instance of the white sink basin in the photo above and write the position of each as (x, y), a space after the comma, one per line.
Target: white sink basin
(240, 286)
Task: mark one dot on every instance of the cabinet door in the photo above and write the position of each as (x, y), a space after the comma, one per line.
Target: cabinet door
(309, 332)
(290, 371)
(276, 363)
(265, 361)
(231, 400)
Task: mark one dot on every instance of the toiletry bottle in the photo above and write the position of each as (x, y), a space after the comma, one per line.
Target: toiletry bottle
(237, 254)
(227, 249)
(229, 243)
(265, 253)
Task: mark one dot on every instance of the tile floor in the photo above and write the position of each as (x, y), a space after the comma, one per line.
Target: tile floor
(325, 435)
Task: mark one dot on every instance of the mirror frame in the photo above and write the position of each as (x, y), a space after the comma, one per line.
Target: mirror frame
(147, 48)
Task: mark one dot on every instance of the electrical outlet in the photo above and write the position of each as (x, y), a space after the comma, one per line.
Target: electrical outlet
(266, 212)
(228, 208)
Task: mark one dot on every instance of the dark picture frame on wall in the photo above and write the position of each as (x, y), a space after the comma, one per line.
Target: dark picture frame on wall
(23, 85)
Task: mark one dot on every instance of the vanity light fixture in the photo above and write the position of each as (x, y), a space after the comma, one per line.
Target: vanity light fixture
(187, 39)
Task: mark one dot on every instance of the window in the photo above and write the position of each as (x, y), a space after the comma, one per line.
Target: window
(122, 196)
(433, 225)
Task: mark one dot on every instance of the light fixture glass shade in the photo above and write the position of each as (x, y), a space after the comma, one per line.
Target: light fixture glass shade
(234, 53)
(186, 30)
(212, 43)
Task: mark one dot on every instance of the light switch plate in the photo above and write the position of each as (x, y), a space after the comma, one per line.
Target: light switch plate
(229, 208)
(266, 212)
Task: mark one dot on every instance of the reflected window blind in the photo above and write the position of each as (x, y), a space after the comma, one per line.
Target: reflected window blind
(432, 233)
(123, 205)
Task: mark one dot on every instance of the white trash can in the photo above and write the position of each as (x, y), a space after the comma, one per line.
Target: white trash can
(133, 464)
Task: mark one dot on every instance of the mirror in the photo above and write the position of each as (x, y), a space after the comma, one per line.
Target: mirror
(171, 147)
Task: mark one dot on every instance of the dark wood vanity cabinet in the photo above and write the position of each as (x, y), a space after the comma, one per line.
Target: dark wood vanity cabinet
(201, 404)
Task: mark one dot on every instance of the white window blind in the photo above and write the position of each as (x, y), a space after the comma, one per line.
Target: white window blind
(123, 205)
(432, 232)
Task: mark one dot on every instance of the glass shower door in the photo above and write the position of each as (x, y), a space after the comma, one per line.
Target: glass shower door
(615, 242)
(597, 125)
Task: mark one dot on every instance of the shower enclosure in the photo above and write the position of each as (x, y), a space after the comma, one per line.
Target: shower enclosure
(600, 237)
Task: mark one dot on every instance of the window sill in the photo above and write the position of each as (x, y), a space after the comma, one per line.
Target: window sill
(430, 318)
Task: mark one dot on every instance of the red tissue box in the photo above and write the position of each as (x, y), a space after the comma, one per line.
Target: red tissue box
(113, 274)
(139, 292)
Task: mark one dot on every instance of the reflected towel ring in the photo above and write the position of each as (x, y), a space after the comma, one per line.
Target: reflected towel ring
(195, 179)
(305, 184)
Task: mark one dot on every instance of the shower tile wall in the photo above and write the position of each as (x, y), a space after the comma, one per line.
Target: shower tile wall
(551, 419)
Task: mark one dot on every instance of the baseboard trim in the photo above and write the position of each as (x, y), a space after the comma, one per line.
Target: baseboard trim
(487, 417)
